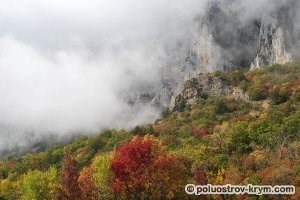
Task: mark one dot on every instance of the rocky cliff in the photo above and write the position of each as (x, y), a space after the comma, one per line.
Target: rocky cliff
(223, 39)
(275, 38)
(205, 85)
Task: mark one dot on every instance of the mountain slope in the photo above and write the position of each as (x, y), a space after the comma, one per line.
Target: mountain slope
(210, 138)
(228, 37)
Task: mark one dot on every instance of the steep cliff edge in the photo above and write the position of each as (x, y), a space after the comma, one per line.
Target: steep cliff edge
(275, 39)
(224, 40)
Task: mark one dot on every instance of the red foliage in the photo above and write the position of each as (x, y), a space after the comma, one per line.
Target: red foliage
(143, 170)
(69, 177)
(132, 162)
(200, 177)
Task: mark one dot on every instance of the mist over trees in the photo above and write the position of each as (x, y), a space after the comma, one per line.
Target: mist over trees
(246, 142)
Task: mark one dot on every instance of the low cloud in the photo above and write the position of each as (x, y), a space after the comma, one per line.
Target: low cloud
(66, 65)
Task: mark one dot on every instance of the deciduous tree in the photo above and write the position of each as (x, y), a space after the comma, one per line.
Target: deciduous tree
(87, 185)
(69, 177)
(143, 169)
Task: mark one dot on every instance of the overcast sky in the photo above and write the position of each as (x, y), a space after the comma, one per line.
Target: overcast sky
(64, 63)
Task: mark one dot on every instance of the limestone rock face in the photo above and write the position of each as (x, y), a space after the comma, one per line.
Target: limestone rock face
(205, 85)
(272, 47)
(223, 40)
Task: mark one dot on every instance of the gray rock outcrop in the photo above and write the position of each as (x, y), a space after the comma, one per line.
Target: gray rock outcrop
(205, 85)
(223, 40)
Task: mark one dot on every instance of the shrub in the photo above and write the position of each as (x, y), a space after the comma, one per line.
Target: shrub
(258, 93)
(221, 106)
(279, 95)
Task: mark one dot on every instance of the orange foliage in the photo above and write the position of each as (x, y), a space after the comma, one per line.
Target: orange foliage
(199, 131)
(86, 184)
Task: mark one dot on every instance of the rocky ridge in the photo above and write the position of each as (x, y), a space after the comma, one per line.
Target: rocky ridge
(205, 85)
(221, 40)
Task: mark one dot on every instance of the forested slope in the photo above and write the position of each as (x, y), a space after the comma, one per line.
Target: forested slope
(212, 139)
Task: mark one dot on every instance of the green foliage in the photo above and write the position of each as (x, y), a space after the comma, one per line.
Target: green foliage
(244, 85)
(220, 161)
(240, 138)
(221, 106)
(9, 189)
(233, 78)
(258, 93)
(195, 153)
(3, 172)
(102, 175)
(291, 125)
(55, 156)
(96, 143)
(217, 140)
(181, 105)
(39, 185)
(137, 130)
(297, 170)
(260, 131)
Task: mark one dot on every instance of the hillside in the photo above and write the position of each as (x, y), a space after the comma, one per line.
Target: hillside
(237, 128)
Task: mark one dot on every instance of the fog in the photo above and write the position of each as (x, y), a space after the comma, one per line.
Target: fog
(64, 64)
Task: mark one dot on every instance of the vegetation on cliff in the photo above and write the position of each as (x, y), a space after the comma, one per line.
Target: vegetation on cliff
(217, 140)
